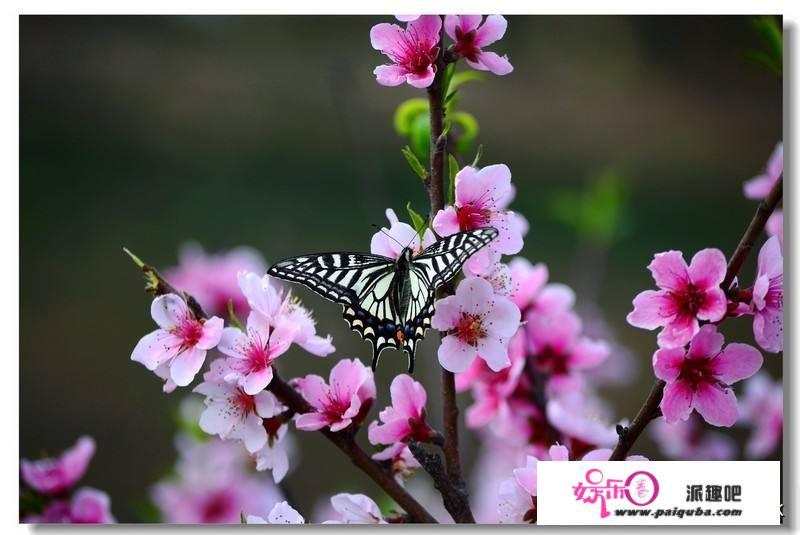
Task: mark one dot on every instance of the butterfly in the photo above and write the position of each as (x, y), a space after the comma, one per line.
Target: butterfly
(387, 302)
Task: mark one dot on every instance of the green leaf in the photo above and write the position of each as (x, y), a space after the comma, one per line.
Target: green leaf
(414, 162)
(407, 112)
(452, 169)
(135, 258)
(469, 129)
(478, 156)
(232, 316)
(417, 221)
(466, 76)
(448, 78)
(421, 137)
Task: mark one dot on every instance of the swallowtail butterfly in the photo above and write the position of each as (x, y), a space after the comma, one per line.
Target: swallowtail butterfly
(388, 302)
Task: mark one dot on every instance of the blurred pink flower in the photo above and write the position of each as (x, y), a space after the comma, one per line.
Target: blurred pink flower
(230, 412)
(582, 420)
(762, 408)
(478, 323)
(413, 51)
(692, 440)
(266, 298)
(404, 464)
(346, 401)
(767, 302)
(391, 241)
(56, 475)
(253, 352)
(517, 495)
(470, 38)
(86, 506)
(700, 379)
(355, 509)
(687, 294)
(559, 350)
(530, 288)
(211, 277)
(282, 513)
(775, 226)
(180, 345)
(405, 418)
(212, 485)
(759, 187)
(482, 197)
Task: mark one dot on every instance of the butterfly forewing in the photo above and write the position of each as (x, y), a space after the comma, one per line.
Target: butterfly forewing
(367, 288)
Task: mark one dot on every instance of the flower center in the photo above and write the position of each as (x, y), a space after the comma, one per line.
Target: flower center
(465, 45)
(218, 508)
(414, 54)
(691, 299)
(472, 216)
(695, 371)
(244, 402)
(258, 357)
(469, 329)
(550, 361)
(190, 331)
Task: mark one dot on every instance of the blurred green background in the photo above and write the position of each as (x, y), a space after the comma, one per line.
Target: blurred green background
(271, 131)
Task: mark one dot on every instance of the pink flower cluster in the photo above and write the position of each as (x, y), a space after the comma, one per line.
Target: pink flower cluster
(53, 480)
(414, 51)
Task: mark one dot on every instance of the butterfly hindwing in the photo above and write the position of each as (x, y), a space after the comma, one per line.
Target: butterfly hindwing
(387, 302)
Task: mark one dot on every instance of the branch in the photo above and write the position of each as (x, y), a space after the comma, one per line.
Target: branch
(650, 409)
(438, 143)
(344, 440)
(454, 498)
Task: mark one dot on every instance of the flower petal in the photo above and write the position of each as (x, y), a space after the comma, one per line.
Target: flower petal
(492, 30)
(390, 75)
(652, 309)
(677, 401)
(495, 63)
(669, 270)
(186, 365)
(715, 404)
(707, 269)
(454, 355)
(706, 343)
(736, 362)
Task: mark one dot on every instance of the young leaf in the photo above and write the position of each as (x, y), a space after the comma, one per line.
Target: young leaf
(417, 221)
(478, 156)
(232, 316)
(469, 129)
(452, 167)
(448, 78)
(421, 137)
(414, 162)
(407, 112)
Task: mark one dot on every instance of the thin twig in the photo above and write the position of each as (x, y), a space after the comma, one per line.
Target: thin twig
(344, 440)
(438, 145)
(650, 408)
(453, 498)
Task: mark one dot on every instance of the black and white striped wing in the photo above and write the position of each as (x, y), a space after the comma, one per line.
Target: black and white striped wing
(444, 259)
(361, 283)
(339, 277)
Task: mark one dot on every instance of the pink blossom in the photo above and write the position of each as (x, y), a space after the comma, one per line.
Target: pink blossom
(700, 378)
(481, 200)
(56, 475)
(687, 294)
(404, 464)
(762, 408)
(559, 350)
(604, 454)
(231, 412)
(274, 455)
(356, 509)
(530, 288)
(767, 301)
(212, 485)
(775, 226)
(181, 343)
(582, 420)
(517, 495)
(405, 418)
(692, 440)
(346, 401)
(86, 506)
(759, 187)
(390, 242)
(266, 298)
(252, 353)
(478, 323)
(492, 390)
(211, 277)
(413, 51)
(470, 38)
(282, 513)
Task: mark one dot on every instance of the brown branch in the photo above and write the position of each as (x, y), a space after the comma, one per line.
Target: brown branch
(454, 498)
(650, 409)
(344, 440)
(435, 185)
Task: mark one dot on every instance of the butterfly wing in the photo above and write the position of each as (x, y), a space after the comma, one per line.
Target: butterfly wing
(361, 283)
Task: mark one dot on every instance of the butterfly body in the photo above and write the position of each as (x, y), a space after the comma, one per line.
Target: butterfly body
(389, 302)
